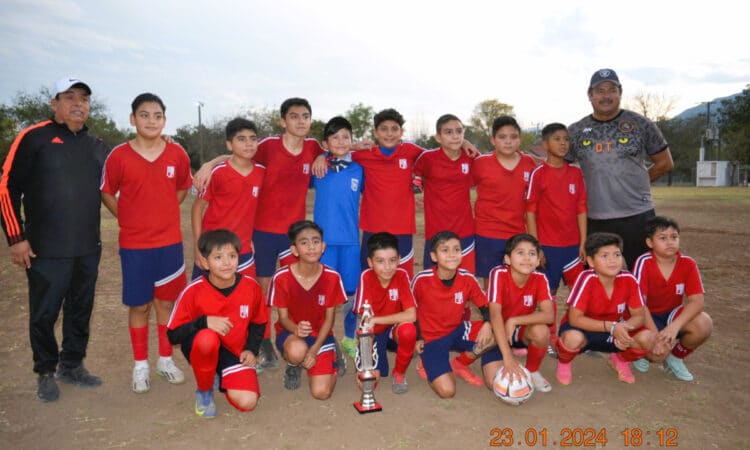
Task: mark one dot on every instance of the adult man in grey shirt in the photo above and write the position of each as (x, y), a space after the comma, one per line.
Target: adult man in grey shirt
(612, 146)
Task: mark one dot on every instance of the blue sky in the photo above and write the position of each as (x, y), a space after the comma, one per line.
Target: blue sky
(425, 58)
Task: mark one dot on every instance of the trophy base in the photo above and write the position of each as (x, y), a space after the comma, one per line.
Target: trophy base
(364, 410)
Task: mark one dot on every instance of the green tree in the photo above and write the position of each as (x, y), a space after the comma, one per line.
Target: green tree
(735, 128)
(684, 138)
(481, 120)
(360, 117)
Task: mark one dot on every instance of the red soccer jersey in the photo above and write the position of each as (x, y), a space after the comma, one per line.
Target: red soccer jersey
(385, 301)
(244, 305)
(232, 201)
(517, 300)
(447, 193)
(557, 196)
(282, 199)
(665, 295)
(589, 296)
(286, 292)
(500, 206)
(147, 207)
(388, 199)
(440, 309)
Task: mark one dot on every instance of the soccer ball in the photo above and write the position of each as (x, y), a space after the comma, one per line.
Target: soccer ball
(513, 393)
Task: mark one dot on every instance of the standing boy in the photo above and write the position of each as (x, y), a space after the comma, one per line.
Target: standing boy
(386, 287)
(556, 213)
(501, 178)
(219, 321)
(446, 180)
(230, 199)
(305, 295)
(605, 312)
(143, 184)
(666, 277)
(336, 210)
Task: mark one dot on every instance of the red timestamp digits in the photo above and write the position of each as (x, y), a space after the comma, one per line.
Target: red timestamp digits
(663, 437)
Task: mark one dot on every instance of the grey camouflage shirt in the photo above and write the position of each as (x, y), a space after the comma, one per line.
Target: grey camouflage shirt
(612, 156)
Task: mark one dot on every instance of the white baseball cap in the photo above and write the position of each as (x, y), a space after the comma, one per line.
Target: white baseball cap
(66, 83)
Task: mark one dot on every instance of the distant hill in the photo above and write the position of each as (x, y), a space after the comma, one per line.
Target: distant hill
(698, 110)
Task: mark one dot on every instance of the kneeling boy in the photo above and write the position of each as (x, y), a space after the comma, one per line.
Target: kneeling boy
(605, 312)
(219, 321)
(666, 276)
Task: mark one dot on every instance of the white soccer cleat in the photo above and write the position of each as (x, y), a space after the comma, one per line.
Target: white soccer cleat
(166, 368)
(141, 379)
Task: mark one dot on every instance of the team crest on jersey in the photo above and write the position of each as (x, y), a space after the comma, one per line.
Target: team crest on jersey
(402, 164)
(620, 308)
(680, 289)
(393, 294)
(321, 300)
(458, 298)
(526, 176)
(625, 126)
(464, 168)
(170, 171)
(306, 168)
(528, 300)
(255, 191)
(572, 188)
(244, 311)
(355, 184)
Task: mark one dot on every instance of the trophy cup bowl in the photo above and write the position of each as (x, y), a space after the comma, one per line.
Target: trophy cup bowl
(366, 362)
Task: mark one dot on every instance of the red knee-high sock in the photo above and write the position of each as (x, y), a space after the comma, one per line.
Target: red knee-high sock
(203, 358)
(165, 348)
(564, 354)
(139, 342)
(465, 358)
(680, 351)
(553, 325)
(407, 339)
(534, 357)
(632, 354)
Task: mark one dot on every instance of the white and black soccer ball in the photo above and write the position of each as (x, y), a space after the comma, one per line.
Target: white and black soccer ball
(515, 392)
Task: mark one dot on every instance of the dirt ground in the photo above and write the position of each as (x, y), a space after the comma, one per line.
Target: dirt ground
(710, 412)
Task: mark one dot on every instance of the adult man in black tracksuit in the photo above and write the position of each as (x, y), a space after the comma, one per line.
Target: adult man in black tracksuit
(54, 170)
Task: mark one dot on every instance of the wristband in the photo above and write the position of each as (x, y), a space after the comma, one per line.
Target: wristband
(612, 330)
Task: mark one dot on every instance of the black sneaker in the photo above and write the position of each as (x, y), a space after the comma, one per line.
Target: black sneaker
(292, 377)
(77, 376)
(46, 388)
(340, 358)
(267, 357)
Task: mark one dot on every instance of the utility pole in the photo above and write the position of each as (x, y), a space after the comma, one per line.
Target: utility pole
(200, 132)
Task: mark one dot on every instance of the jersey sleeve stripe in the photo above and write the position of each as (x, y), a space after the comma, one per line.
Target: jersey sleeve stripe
(12, 226)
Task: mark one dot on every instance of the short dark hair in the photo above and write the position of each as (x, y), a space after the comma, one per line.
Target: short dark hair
(294, 101)
(503, 121)
(388, 114)
(147, 97)
(657, 223)
(445, 118)
(218, 238)
(298, 227)
(513, 242)
(440, 237)
(380, 241)
(551, 129)
(238, 124)
(335, 125)
(595, 241)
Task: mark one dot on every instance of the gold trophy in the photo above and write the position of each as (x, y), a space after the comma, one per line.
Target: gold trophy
(366, 362)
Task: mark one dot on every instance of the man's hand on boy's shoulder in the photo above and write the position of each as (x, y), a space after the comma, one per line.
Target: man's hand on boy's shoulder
(470, 149)
(203, 175)
(320, 166)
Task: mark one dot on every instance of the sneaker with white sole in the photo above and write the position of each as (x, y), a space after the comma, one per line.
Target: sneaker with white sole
(399, 386)
(676, 367)
(166, 368)
(267, 357)
(141, 379)
(540, 383)
(204, 404)
(641, 365)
